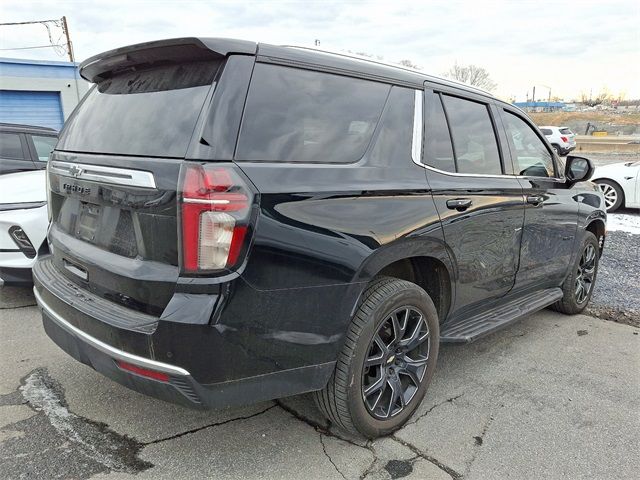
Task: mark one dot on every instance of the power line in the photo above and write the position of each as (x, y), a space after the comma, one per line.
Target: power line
(29, 48)
(54, 43)
(28, 23)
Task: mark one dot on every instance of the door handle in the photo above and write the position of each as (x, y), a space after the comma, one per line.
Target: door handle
(459, 204)
(535, 199)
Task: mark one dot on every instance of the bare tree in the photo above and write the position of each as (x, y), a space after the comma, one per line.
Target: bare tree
(409, 64)
(472, 75)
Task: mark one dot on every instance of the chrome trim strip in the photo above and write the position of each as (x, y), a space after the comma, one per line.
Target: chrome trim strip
(416, 142)
(105, 348)
(100, 173)
(206, 201)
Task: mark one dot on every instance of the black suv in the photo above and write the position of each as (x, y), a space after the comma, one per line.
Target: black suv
(25, 147)
(234, 222)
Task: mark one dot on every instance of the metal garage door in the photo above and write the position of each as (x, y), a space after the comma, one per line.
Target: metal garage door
(31, 108)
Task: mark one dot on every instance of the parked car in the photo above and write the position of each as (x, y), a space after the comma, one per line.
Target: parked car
(562, 139)
(25, 147)
(620, 184)
(23, 224)
(233, 222)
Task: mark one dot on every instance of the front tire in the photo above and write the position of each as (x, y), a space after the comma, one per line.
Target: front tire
(578, 286)
(387, 361)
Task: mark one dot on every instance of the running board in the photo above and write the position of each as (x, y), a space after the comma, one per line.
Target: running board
(467, 330)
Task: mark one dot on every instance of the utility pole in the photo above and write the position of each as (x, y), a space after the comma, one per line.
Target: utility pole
(65, 29)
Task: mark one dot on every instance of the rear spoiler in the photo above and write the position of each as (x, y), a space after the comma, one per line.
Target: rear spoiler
(105, 65)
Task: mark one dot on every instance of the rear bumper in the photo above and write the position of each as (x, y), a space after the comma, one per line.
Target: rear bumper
(184, 352)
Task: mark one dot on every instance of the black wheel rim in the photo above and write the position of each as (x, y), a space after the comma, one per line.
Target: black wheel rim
(396, 362)
(585, 274)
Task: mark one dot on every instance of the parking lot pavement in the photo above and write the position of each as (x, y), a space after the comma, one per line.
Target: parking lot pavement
(549, 397)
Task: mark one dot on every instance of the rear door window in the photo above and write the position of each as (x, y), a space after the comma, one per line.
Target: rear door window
(11, 146)
(546, 131)
(474, 139)
(44, 146)
(532, 158)
(438, 150)
(151, 112)
(295, 115)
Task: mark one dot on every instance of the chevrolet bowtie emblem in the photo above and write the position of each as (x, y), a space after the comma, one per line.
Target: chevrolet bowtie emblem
(75, 171)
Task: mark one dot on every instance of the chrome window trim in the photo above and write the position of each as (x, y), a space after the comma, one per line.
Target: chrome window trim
(100, 173)
(416, 148)
(416, 142)
(105, 348)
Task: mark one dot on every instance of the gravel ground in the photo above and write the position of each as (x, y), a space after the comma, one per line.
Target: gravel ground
(617, 292)
(600, 159)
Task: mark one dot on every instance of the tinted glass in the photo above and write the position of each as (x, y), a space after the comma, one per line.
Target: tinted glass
(531, 155)
(546, 131)
(297, 115)
(392, 143)
(438, 151)
(475, 142)
(44, 146)
(10, 146)
(149, 112)
(565, 131)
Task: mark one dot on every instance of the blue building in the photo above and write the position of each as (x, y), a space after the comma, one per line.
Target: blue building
(39, 92)
(540, 106)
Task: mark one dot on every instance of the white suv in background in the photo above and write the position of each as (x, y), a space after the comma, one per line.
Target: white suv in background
(560, 138)
(23, 224)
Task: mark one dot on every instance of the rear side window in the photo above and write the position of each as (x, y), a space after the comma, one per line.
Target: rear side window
(44, 146)
(149, 112)
(295, 115)
(565, 131)
(531, 155)
(546, 131)
(474, 140)
(10, 146)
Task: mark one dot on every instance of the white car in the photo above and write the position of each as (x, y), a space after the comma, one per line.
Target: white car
(560, 138)
(620, 184)
(23, 224)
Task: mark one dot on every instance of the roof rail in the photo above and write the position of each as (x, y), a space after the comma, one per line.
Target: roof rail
(390, 65)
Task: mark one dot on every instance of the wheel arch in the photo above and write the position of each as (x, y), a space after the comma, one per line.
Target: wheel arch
(424, 262)
(598, 228)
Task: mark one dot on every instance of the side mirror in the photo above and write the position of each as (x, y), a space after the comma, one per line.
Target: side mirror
(578, 169)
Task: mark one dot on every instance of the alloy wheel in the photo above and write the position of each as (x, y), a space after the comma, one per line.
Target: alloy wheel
(585, 274)
(396, 362)
(610, 194)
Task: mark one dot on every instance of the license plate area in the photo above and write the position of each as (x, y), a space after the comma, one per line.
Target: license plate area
(88, 222)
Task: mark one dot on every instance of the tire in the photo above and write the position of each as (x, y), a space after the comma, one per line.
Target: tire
(574, 301)
(342, 401)
(557, 149)
(613, 194)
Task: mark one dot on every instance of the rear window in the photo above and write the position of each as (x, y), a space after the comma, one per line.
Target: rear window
(297, 115)
(149, 112)
(565, 131)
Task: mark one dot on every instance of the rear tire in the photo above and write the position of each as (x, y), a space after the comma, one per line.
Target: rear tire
(558, 150)
(578, 286)
(395, 332)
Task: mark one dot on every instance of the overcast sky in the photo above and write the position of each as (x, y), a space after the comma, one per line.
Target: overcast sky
(570, 46)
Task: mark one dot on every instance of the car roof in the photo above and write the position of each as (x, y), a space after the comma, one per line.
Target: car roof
(103, 65)
(19, 128)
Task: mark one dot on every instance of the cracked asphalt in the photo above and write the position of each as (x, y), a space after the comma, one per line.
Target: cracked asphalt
(550, 397)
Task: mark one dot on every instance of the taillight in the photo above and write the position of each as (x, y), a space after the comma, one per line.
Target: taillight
(215, 214)
(564, 139)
